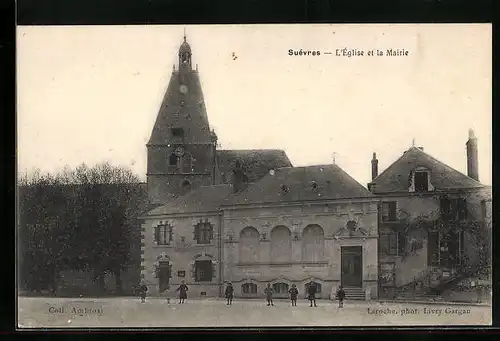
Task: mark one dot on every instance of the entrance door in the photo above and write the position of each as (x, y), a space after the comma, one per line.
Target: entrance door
(352, 266)
(163, 276)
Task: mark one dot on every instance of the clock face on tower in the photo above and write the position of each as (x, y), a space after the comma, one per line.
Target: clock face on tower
(184, 89)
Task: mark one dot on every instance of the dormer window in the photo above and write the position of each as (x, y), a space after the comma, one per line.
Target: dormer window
(177, 132)
(419, 180)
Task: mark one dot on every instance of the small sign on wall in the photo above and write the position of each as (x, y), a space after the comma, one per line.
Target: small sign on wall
(181, 273)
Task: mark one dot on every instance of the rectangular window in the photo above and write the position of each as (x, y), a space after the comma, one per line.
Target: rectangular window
(249, 288)
(163, 234)
(453, 209)
(388, 243)
(178, 132)
(421, 181)
(389, 211)
(203, 269)
(203, 233)
(280, 288)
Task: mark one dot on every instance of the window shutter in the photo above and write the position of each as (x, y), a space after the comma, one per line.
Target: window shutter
(432, 246)
(170, 234)
(444, 204)
(170, 271)
(214, 270)
(157, 234)
(393, 243)
(410, 179)
(195, 232)
(392, 211)
(462, 209)
(211, 231)
(401, 243)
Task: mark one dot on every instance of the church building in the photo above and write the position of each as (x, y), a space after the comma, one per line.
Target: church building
(247, 216)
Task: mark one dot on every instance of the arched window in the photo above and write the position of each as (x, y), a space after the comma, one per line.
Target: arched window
(318, 287)
(249, 288)
(185, 186)
(280, 288)
(313, 244)
(281, 244)
(249, 245)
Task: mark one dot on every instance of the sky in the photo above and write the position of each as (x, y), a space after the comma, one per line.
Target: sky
(91, 93)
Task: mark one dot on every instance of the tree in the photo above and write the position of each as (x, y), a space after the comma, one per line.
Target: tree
(90, 215)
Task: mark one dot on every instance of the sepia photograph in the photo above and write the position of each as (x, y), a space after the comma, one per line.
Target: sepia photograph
(249, 176)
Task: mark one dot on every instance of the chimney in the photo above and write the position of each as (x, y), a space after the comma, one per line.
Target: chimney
(472, 163)
(240, 179)
(374, 166)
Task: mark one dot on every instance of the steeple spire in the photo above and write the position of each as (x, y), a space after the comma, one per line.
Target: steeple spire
(185, 35)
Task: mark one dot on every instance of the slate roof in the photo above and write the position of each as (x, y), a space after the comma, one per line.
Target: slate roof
(442, 177)
(255, 162)
(301, 184)
(202, 199)
(183, 110)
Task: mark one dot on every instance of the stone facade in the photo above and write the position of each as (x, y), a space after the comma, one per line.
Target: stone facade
(300, 266)
(180, 254)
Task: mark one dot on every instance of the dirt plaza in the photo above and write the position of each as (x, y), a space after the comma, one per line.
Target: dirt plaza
(37, 312)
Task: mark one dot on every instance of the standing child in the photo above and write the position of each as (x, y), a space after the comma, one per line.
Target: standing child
(293, 295)
(229, 293)
(312, 294)
(182, 289)
(269, 294)
(341, 296)
(143, 289)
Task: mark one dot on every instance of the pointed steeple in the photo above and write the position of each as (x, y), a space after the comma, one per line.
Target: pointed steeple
(182, 117)
(181, 148)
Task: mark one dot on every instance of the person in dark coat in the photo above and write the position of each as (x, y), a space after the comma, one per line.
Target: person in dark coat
(341, 296)
(269, 294)
(294, 292)
(311, 291)
(142, 289)
(229, 293)
(182, 289)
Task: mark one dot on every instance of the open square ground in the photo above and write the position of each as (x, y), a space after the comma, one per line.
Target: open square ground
(130, 312)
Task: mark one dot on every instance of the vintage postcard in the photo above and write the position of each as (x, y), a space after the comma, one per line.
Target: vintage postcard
(254, 175)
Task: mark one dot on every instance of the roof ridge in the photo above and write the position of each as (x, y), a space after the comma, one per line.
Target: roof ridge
(256, 149)
(391, 165)
(444, 164)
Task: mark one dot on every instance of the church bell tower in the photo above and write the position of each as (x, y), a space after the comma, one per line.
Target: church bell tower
(182, 149)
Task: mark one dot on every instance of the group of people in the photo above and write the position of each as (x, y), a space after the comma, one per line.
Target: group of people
(311, 295)
(229, 293)
(182, 289)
